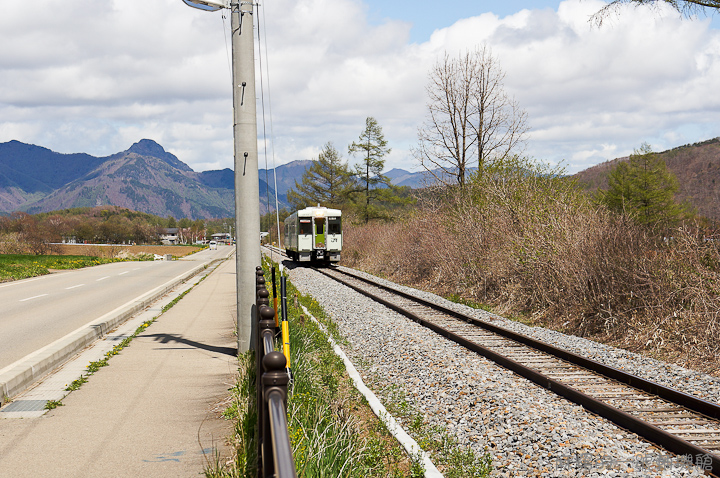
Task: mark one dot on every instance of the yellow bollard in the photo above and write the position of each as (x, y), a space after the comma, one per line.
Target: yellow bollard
(285, 328)
(286, 342)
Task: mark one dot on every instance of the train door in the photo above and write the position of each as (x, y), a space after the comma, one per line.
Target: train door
(319, 239)
(334, 234)
(305, 235)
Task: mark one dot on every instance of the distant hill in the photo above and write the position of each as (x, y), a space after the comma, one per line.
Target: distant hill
(696, 166)
(287, 174)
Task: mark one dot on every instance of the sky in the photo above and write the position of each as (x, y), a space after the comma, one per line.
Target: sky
(96, 77)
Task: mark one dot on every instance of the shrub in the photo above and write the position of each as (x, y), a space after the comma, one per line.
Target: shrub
(528, 241)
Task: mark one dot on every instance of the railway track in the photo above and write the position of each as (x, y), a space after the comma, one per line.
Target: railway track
(679, 422)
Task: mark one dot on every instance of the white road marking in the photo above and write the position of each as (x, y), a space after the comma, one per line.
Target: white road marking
(74, 286)
(123, 273)
(102, 278)
(33, 297)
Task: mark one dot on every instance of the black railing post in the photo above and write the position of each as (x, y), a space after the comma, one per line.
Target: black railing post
(283, 298)
(274, 293)
(275, 383)
(263, 297)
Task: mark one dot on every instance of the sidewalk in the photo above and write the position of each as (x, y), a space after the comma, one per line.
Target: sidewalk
(153, 411)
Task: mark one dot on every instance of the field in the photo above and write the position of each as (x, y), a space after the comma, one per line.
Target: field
(76, 256)
(123, 251)
(16, 266)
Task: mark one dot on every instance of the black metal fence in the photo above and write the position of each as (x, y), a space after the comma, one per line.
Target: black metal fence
(274, 452)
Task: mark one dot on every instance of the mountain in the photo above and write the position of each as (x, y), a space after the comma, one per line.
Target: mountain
(141, 183)
(147, 147)
(287, 174)
(144, 178)
(400, 177)
(696, 166)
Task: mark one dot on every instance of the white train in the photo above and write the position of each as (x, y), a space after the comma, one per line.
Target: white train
(314, 234)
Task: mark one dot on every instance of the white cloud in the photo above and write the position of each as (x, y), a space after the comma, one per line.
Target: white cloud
(82, 75)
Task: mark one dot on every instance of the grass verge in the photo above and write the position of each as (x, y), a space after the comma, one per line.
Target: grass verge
(18, 266)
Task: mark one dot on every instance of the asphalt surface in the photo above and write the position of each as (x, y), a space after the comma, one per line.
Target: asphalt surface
(38, 311)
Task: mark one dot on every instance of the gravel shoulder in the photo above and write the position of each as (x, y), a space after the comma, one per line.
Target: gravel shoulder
(528, 430)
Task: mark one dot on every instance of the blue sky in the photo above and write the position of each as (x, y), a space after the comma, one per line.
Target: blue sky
(96, 77)
(427, 16)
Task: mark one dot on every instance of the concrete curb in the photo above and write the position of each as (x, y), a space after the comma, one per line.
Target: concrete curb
(19, 375)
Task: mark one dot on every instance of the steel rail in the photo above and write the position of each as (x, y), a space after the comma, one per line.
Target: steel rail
(648, 431)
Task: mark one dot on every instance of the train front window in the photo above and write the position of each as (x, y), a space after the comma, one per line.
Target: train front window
(334, 226)
(319, 225)
(305, 226)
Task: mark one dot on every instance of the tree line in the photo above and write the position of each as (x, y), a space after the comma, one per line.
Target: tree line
(100, 225)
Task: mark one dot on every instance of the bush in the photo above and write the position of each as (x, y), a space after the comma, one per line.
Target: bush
(528, 241)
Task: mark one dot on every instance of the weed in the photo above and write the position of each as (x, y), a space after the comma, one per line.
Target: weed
(175, 301)
(76, 384)
(454, 459)
(417, 469)
(97, 365)
(52, 404)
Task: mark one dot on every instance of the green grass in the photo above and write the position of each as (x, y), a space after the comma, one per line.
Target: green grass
(18, 266)
(332, 430)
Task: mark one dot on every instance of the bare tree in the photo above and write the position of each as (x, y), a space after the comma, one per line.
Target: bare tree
(471, 119)
(685, 7)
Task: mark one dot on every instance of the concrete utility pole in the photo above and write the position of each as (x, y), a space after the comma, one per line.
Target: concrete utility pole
(247, 193)
(247, 189)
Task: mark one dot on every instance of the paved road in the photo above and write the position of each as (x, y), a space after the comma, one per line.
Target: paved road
(38, 311)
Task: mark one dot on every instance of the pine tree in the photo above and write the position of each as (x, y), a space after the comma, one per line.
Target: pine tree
(643, 188)
(372, 147)
(327, 182)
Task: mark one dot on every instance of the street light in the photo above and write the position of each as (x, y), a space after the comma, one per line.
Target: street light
(207, 5)
(247, 189)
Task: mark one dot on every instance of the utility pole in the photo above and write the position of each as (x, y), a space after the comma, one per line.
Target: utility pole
(247, 190)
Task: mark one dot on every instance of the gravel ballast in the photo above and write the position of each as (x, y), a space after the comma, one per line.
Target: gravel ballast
(528, 430)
